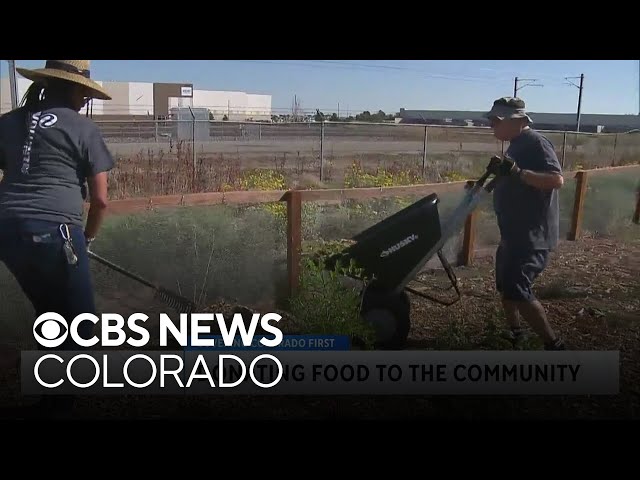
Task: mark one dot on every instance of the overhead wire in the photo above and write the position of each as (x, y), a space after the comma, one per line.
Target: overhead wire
(329, 64)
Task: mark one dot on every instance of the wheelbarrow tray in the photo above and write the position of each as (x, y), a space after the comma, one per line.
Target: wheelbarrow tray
(392, 252)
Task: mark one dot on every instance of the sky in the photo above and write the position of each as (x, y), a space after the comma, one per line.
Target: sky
(610, 86)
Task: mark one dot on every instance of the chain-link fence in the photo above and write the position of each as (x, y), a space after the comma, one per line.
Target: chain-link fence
(192, 155)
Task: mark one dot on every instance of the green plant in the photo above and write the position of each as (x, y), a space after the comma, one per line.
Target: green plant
(320, 250)
(398, 174)
(453, 176)
(357, 177)
(493, 336)
(261, 179)
(453, 337)
(324, 303)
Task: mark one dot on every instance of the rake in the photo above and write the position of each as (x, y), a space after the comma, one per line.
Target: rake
(172, 299)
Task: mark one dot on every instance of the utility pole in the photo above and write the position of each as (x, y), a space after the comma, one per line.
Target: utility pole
(13, 84)
(517, 87)
(580, 88)
(579, 102)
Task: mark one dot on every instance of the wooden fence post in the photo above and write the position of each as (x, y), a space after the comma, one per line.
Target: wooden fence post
(294, 238)
(469, 240)
(578, 205)
(636, 215)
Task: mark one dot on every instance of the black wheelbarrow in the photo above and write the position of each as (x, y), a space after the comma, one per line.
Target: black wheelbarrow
(393, 252)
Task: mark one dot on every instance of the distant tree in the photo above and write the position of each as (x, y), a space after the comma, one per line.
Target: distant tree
(380, 116)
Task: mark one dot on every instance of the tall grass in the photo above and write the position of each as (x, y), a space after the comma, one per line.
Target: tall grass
(151, 172)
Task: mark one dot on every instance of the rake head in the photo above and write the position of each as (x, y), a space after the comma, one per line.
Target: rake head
(175, 301)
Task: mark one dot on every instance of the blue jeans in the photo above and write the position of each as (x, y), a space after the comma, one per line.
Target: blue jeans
(33, 253)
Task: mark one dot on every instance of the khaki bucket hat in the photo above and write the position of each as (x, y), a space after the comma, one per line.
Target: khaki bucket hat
(508, 107)
(76, 71)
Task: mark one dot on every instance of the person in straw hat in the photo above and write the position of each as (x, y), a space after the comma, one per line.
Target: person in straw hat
(49, 155)
(527, 210)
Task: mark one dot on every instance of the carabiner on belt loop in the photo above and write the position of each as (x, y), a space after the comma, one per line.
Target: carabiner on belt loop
(64, 231)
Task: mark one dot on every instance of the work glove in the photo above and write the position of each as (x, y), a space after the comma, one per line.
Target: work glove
(508, 167)
(503, 167)
(494, 165)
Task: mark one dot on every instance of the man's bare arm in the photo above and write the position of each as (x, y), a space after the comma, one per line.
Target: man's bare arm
(542, 180)
(546, 174)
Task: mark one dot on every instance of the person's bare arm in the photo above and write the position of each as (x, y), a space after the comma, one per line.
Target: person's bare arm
(99, 162)
(542, 180)
(98, 201)
(546, 172)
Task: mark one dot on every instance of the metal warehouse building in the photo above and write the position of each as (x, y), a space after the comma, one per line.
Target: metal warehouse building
(155, 100)
(543, 121)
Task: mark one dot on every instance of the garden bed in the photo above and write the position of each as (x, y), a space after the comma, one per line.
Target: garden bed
(592, 296)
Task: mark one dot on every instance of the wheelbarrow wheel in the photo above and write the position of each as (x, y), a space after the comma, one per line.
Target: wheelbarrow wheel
(389, 314)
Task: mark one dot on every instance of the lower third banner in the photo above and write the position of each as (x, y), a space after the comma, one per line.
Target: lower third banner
(110, 372)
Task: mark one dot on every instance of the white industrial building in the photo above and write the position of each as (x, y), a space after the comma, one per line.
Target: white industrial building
(137, 99)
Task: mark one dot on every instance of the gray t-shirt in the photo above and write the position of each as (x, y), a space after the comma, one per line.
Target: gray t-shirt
(46, 159)
(528, 217)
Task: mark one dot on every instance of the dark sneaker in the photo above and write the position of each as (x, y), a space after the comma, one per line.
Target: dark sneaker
(557, 345)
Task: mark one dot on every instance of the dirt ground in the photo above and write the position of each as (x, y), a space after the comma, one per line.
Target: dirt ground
(591, 291)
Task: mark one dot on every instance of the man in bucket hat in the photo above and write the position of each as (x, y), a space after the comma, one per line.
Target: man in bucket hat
(48, 153)
(526, 206)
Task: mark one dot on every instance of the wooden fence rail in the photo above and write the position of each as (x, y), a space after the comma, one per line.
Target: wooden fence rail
(295, 198)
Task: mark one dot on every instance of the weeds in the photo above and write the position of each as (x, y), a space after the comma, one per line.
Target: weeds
(453, 337)
(325, 303)
(256, 179)
(150, 173)
(358, 177)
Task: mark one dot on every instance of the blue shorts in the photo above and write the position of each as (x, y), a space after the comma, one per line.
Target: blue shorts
(516, 270)
(33, 253)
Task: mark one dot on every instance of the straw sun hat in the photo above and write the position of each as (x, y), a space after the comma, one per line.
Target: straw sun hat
(76, 71)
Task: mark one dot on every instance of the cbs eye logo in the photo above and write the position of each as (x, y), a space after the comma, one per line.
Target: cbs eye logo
(50, 330)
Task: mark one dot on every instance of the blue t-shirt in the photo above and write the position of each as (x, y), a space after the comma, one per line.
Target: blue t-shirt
(528, 217)
(46, 159)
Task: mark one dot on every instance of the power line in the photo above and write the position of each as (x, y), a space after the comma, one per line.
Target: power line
(517, 86)
(332, 65)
